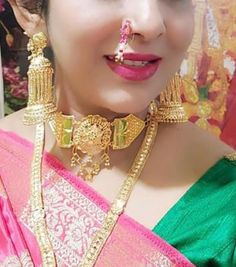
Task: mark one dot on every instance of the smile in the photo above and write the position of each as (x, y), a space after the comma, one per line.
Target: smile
(135, 67)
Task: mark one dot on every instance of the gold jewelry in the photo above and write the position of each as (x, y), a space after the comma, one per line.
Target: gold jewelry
(37, 205)
(119, 204)
(38, 215)
(126, 34)
(91, 138)
(41, 108)
(170, 107)
(231, 156)
(41, 104)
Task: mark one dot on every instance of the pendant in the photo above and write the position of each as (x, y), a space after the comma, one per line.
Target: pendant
(91, 138)
(91, 141)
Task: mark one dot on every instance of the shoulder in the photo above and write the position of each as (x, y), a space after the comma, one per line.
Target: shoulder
(189, 146)
(207, 141)
(15, 140)
(14, 124)
(205, 146)
(184, 152)
(15, 160)
(214, 158)
(206, 150)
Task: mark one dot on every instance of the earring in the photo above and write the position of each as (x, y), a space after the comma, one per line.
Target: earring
(40, 109)
(170, 107)
(41, 103)
(125, 36)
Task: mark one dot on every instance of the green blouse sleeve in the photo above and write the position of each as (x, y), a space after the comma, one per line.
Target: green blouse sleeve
(202, 224)
(225, 257)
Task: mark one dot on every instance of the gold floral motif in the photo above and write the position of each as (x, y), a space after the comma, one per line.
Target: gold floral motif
(92, 137)
(92, 134)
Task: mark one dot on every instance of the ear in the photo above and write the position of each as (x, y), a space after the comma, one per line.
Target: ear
(31, 23)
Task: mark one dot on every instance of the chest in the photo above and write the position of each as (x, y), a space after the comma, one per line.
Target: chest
(149, 201)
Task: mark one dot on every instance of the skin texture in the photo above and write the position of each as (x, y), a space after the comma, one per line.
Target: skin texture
(84, 80)
(80, 34)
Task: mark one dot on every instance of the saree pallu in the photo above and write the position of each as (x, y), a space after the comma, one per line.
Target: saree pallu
(74, 213)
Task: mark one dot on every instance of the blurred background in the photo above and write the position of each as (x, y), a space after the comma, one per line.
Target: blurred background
(211, 103)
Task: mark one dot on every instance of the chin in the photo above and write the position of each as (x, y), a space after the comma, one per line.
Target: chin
(131, 106)
(124, 100)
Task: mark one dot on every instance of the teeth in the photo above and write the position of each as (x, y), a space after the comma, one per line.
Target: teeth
(131, 62)
(135, 63)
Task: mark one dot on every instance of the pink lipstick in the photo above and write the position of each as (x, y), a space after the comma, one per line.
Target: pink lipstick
(136, 67)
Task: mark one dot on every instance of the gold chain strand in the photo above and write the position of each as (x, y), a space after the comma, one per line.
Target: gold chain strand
(38, 213)
(231, 156)
(119, 204)
(37, 206)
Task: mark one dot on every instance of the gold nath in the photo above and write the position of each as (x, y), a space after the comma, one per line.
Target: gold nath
(91, 138)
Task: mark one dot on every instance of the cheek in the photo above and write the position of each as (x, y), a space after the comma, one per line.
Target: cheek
(180, 33)
(81, 21)
(78, 29)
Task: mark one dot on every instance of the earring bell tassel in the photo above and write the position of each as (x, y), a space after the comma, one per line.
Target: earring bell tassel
(170, 109)
(41, 103)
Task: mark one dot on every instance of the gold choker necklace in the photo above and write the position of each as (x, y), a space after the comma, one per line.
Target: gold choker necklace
(91, 138)
(117, 207)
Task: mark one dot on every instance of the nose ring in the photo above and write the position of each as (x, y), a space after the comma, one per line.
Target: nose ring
(126, 35)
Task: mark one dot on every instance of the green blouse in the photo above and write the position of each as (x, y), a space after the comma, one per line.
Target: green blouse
(202, 224)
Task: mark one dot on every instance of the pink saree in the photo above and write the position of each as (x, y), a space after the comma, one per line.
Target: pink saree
(74, 213)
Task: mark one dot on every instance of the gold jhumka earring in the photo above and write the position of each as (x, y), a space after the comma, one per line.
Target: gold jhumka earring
(41, 103)
(170, 108)
(41, 108)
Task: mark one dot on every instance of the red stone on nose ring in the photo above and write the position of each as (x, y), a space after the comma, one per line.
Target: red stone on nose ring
(125, 35)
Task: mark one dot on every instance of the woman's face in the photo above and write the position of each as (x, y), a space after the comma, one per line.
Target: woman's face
(83, 32)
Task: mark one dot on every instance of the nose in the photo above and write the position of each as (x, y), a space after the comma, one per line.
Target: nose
(146, 17)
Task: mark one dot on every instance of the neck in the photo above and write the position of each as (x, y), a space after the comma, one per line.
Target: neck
(121, 159)
(70, 102)
(69, 106)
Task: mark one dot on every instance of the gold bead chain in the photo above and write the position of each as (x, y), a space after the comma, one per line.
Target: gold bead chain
(122, 198)
(37, 205)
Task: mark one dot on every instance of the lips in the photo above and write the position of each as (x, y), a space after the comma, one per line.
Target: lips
(136, 67)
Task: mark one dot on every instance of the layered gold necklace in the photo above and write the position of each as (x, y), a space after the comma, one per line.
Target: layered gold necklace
(90, 139)
(117, 207)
